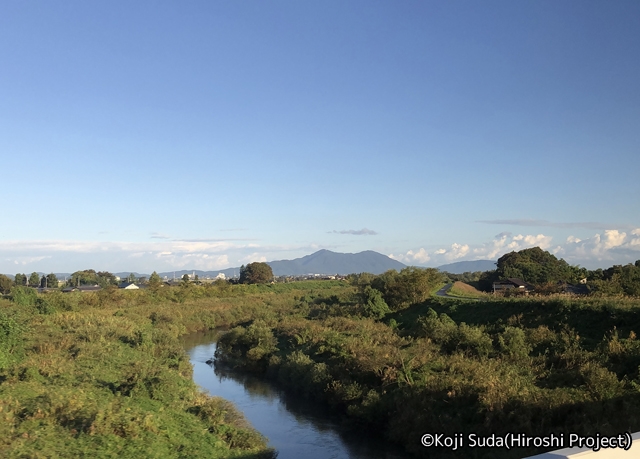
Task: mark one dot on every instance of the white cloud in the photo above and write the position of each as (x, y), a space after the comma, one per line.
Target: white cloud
(254, 257)
(501, 244)
(27, 260)
(612, 245)
(159, 255)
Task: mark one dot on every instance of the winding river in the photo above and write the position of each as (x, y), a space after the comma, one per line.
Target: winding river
(294, 426)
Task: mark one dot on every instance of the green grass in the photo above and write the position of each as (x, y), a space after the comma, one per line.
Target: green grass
(531, 365)
(104, 375)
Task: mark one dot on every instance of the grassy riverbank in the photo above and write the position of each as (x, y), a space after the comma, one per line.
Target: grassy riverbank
(104, 375)
(535, 366)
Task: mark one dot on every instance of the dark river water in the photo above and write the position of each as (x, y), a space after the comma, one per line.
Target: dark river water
(297, 428)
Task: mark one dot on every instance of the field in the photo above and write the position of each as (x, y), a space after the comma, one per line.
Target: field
(103, 374)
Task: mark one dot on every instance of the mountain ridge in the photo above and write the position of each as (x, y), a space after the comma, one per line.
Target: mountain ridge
(460, 267)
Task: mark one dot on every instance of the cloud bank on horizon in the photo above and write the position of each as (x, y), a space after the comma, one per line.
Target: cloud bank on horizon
(603, 249)
(613, 246)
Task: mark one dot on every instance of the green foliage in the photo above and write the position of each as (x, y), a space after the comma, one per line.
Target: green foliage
(5, 284)
(250, 347)
(105, 373)
(34, 280)
(409, 286)
(620, 280)
(256, 273)
(374, 305)
(24, 296)
(535, 266)
(85, 277)
(105, 279)
(10, 336)
(51, 280)
(513, 343)
(20, 279)
(532, 365)
(154, 281)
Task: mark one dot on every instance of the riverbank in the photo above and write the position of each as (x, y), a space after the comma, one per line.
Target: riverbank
(295, 427)
(105, 375)
(531, 366)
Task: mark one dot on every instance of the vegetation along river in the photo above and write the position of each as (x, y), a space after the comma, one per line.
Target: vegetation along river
(294, 426)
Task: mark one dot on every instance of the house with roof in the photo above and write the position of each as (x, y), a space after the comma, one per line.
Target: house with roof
(82, 288)
(512, 283)
(128, 286)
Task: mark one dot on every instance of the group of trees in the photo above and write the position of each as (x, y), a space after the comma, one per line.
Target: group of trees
(256, 273)
(537, 267)
(616, 280)
(543, 269)
(35, 280)
(409, 286)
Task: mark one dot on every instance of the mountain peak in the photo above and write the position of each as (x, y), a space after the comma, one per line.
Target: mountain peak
(327, 262)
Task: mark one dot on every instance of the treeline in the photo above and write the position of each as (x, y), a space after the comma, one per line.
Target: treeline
(550, 274)
(253, 273)
(422, 365)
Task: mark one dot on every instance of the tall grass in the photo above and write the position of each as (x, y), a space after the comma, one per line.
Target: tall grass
(103, 374)
(530, 365)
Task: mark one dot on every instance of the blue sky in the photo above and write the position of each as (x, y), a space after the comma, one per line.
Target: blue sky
(205, 134)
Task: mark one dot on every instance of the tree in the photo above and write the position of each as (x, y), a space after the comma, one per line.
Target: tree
(104, 279)
(20, 279)
(535, 266)
(52, 281)
(374, 305)
(85, 277)
(5, 284)
(409, 286)
(256, 273)
(132, 278)
(34, 280)
(154, 281)
(185, 278)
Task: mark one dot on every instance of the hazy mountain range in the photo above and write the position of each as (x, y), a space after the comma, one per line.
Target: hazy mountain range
(460, 267)
(322, 262)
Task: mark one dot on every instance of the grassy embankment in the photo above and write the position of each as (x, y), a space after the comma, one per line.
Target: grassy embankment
(462, 290)
(530, 365)
(104, 374)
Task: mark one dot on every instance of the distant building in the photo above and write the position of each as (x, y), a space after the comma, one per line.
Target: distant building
(83, 288)
(510, 284)
(128, 286)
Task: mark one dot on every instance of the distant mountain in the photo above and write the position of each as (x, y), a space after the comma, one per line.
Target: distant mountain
(320, 262)
(328, 262)
(460, 267)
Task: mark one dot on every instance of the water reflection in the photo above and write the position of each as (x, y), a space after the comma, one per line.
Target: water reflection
(294, 426)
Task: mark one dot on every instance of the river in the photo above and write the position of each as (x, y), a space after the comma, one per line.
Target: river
(294, 426)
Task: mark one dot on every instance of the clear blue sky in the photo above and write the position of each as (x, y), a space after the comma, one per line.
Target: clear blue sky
(206, 134)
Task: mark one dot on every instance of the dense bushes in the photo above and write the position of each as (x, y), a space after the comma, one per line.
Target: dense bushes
(104, 374)
(79, 372)
(524, 365)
